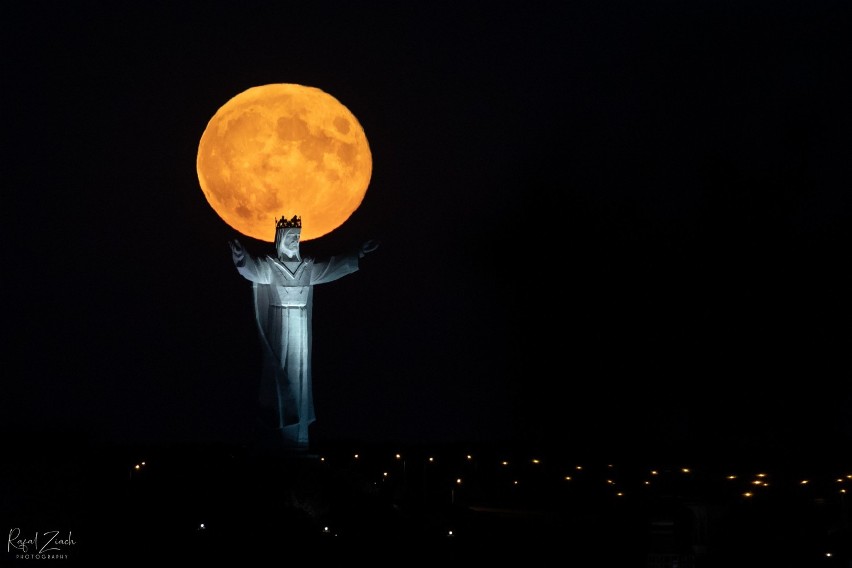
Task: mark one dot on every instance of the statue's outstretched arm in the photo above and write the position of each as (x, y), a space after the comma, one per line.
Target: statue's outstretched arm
(248, 266)
(337, 266)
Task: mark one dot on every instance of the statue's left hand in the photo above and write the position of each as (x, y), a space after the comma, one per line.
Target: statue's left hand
(368, 246)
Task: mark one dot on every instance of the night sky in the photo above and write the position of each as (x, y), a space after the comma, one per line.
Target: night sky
(614, 224)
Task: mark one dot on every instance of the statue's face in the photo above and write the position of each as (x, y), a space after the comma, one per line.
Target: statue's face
(287, 243)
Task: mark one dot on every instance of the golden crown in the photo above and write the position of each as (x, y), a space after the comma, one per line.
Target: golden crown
(284, 223)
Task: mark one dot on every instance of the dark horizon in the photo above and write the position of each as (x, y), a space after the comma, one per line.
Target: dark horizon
(188, 503)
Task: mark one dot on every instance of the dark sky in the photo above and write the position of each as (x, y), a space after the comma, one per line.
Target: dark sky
(604, 224)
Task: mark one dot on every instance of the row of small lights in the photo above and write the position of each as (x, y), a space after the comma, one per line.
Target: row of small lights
(759, 481)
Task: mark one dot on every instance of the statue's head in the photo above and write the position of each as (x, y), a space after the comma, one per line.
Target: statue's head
(287, 235)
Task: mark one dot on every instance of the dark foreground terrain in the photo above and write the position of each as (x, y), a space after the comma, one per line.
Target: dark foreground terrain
(195, 505)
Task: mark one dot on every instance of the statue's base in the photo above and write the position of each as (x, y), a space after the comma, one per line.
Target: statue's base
(271, 442)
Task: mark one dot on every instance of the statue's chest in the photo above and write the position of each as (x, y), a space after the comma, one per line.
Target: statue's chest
(291, 274)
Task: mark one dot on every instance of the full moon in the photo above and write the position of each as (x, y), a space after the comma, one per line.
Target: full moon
(282, 150)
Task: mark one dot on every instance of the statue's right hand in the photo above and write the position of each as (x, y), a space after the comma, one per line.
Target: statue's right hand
(237, 251)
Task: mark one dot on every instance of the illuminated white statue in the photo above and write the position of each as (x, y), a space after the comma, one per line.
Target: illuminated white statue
(283, 294)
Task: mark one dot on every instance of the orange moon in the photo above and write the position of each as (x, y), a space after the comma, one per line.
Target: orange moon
(281, 150)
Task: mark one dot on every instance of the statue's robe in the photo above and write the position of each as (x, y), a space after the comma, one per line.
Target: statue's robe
(283, 297)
